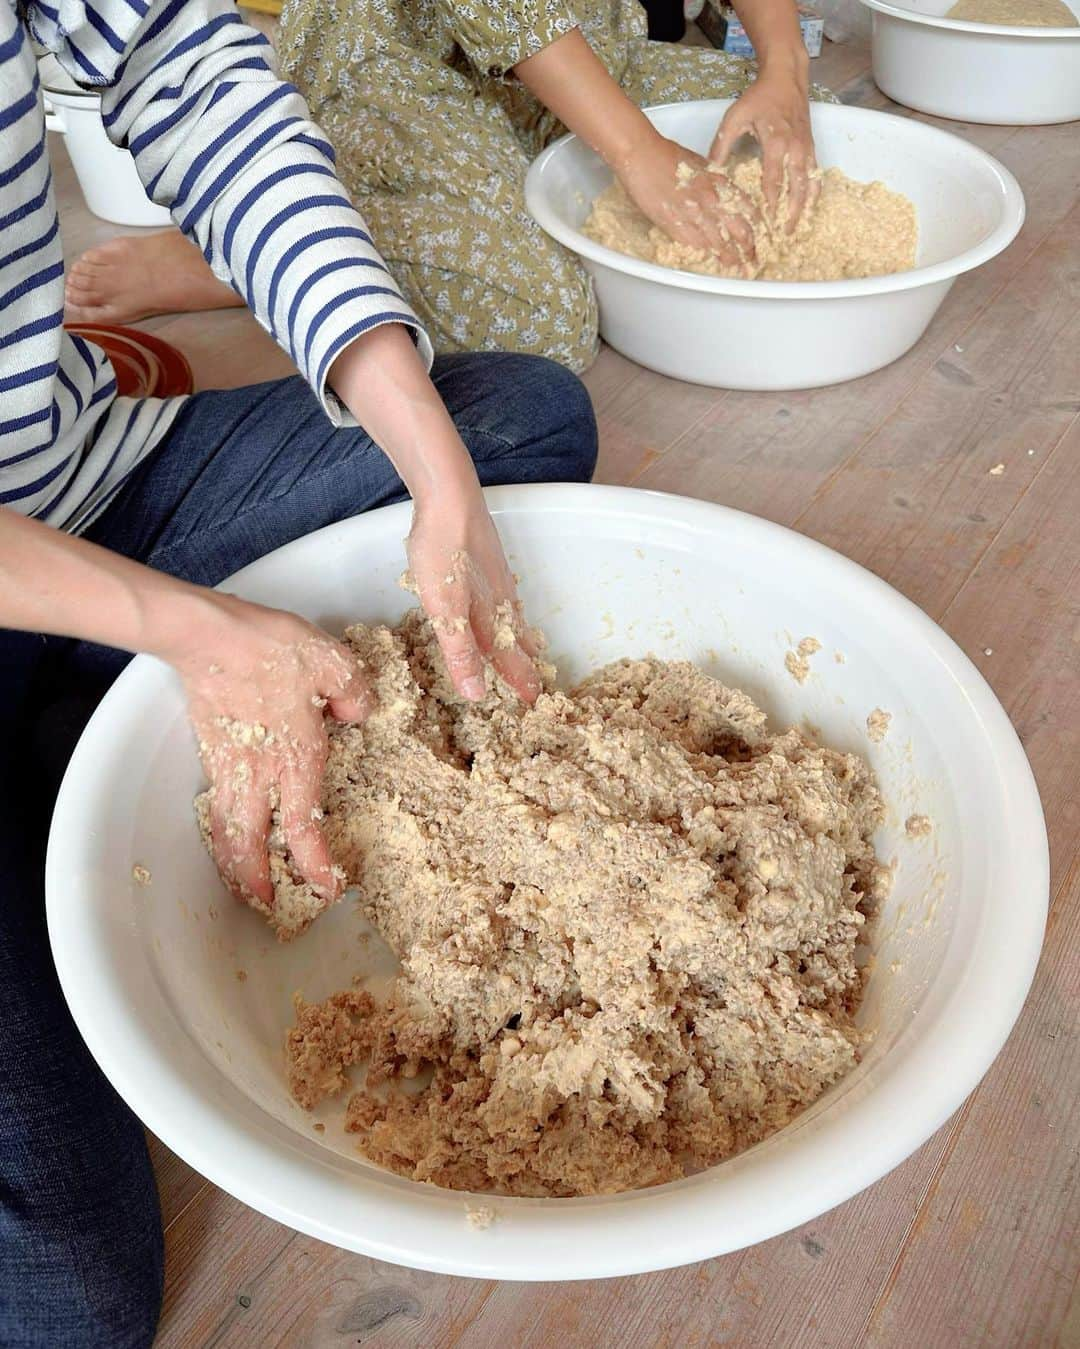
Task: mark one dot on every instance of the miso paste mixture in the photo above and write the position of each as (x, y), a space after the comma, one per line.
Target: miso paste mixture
(854, 229)
(626, 920)
(1017, 13)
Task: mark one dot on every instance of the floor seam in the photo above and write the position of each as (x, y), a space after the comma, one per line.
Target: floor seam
(206, 1185)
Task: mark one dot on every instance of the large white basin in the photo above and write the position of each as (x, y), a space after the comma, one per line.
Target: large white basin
(150, 971)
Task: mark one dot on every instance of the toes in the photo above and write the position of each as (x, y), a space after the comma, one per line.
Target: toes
(112, 259)
(83, 303)
(83, 289)
(87, 306)
(87, 283)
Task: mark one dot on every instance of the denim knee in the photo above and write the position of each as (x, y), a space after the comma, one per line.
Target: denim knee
(82, 1289)
(565, 421)
(81, 1244)
(577, 424)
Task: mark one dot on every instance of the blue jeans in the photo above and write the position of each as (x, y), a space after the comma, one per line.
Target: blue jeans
(242, 472)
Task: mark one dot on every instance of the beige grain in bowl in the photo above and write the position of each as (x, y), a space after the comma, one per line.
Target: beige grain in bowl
(152, 971)
(1000, 73)
(741, 334)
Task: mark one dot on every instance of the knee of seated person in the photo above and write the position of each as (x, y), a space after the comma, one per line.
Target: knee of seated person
(569, 326)
(133, 1318)
(123, 1311)
(565, 425)
(574, 349)
(92, 1303)
(545, 309)
(82, 1262)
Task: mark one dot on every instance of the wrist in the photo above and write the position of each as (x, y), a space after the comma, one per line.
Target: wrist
(187, 623)
(786, 60)
(626, 138)
(457, 496)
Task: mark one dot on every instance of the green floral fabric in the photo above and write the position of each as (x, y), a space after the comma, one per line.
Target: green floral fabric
(434, 137)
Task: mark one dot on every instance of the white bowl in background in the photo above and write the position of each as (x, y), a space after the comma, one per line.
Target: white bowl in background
(975, 72)
(150, 972)
(740, 334)
(106, 174)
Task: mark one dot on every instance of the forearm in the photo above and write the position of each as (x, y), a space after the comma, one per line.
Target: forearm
(230, 149)
(773, 28)
(570, 79)
(382, 381)
(53, 582)
(239, 664)
(454, 552)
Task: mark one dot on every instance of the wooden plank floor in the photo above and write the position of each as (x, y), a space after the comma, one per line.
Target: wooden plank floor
(973, 1241)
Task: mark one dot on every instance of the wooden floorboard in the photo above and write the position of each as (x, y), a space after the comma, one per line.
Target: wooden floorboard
(974, 1240)
(929, 491)
(992, 1259)
(178, 1185)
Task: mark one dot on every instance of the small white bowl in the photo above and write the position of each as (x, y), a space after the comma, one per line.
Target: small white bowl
(151, 971)
(739, 334)
(975, 72)
(106, 174)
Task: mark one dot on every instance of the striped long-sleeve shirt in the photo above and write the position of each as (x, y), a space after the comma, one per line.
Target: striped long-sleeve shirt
(229, 148)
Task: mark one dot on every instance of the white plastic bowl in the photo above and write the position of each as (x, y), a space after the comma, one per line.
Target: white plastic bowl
(106, 174)
(150, 971)
(740, 334)
(975, 72)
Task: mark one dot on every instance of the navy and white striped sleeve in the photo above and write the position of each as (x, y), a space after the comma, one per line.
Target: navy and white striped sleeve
(229, 148)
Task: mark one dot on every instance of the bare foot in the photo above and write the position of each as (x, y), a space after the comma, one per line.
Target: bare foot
(131, 278)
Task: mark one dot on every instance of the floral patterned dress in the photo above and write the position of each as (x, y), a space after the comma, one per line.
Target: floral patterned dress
(434, 136)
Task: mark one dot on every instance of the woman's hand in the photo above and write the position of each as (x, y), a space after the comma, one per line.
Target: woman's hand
(776, 112)
(257, 682)
(689, 207)
(465, 585)
(570, 79)
(454, 552)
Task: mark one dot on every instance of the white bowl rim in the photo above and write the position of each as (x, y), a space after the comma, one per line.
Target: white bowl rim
(967, 26)
(265, 1167)
(71, 98)
(50, 71)
(1006, 230)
